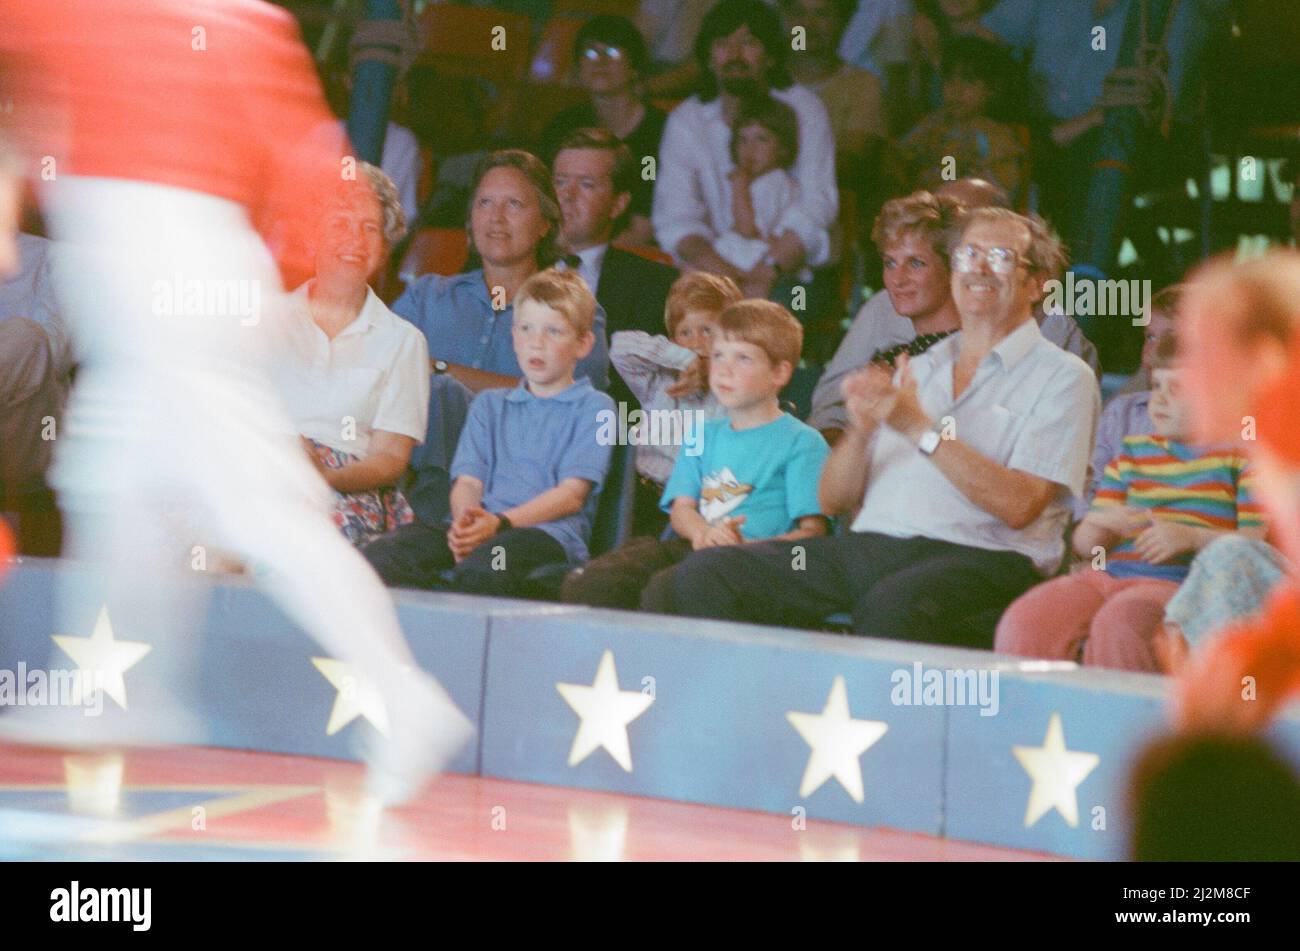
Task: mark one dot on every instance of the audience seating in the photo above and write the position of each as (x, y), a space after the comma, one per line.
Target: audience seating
(658, 255)
(590, 8)
(552, 62)
(459, 41)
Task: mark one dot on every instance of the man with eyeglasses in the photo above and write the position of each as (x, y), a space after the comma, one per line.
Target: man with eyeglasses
(611, 60)
(960, 466)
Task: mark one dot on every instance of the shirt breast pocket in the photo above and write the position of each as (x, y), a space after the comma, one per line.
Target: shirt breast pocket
(996, 431)
(354, 395)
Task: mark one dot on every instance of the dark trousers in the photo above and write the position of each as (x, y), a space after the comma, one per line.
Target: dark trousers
(616, 578)
(915, 589)
(417, 555)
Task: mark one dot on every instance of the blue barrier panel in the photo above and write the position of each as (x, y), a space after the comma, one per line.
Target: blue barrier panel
(27, 613)
(701, 712)
(253, 680)
(1049, 771)
(268, 686)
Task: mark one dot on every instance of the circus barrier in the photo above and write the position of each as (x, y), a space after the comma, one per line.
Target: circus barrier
(963, 744)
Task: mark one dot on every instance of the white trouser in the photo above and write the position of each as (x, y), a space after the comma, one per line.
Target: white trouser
(173, 411)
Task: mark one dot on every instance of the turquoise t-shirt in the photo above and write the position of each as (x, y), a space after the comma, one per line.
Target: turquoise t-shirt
(768, 474)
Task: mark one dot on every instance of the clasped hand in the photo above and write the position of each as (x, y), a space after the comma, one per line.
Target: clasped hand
(872, 398)
(475, 526)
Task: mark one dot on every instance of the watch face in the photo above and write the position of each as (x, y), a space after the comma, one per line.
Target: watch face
(929, 442)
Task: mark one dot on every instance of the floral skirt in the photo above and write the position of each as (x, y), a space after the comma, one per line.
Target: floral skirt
(362, 516)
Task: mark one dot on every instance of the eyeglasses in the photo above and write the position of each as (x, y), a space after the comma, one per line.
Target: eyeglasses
(1001, 260)
(594, 53)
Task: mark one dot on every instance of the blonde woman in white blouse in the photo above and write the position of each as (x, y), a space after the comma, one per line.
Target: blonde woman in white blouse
(354, 375)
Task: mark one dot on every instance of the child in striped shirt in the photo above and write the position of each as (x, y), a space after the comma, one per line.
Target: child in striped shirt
(1160, 501)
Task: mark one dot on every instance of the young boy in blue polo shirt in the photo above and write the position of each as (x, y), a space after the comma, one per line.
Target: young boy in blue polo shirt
(528, 468)
(754, 478)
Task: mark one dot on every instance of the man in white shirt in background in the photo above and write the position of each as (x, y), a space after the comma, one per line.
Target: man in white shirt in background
(742, 49)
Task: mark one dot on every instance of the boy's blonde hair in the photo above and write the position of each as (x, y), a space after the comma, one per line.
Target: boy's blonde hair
(564, 292)
(698, 291)
(767, 325)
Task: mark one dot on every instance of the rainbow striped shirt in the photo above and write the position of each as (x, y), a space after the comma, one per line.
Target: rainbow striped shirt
(1194, 485)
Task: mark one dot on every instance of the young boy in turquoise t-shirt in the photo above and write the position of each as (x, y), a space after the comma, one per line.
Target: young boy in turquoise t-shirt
(752, 476)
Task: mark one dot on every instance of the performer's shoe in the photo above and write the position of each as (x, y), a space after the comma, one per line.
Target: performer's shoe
(426, 731)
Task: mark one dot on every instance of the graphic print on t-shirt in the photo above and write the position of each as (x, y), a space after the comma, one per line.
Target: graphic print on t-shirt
(721, 494)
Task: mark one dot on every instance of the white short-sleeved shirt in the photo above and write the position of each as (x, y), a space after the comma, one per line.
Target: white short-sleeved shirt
(375, 374)
(1031, 406)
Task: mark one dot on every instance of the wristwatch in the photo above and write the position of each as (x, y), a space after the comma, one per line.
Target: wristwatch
(929, 441)
(441, 366)
(504, 525)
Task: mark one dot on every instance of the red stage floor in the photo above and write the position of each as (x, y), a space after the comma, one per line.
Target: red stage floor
(212, 805)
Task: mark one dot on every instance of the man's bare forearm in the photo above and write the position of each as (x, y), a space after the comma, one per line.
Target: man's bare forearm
(1015, 497)
(844, 476)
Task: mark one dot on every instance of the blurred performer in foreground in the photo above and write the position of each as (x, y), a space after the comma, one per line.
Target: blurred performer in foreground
(166, 134)
(1243, 354)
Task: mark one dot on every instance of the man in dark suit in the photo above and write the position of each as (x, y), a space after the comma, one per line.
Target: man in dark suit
(593, 176)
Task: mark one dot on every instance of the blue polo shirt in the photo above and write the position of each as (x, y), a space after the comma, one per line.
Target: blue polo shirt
(1067, 72)
(519, 446)
(456, 316)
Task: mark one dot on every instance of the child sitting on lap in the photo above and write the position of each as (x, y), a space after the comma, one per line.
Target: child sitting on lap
(764, 145)
(753, 477)
(1160, 501)
(528, 467)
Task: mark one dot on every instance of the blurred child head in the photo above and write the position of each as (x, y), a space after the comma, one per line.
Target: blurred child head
(1214, 799)
(694, 302)
(764, 135)
(754, 353)
(1168, 408)
(552, 327)
(974, 76)
(1237, 323)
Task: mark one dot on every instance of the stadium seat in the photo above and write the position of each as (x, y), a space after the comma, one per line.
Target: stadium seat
(435, 251)
(459, 42)
(975, 631)
(537, 106)
(552, 62)
(590, 8)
